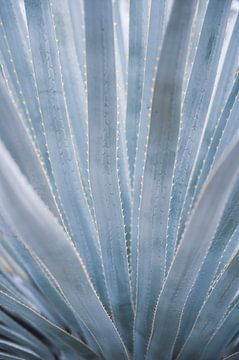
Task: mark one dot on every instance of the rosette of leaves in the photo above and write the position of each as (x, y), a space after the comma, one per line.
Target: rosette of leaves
(119, 179)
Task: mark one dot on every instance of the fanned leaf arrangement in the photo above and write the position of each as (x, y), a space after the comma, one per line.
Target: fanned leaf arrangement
(119, 179)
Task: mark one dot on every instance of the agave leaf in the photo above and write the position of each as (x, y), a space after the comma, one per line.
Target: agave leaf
(23, 290)
(155, 36)
(26, 337)
(227, 226)
(225, 121)
(207, 319)
(225, 229)
(18, 350)
(228, 251)
(119, 217)
(22, 149)
(190, 255)
(226, 331)
(19, 341)
(65, 341)
(18, 338)
(122, 155)
(195, 109)
(5, 356)
(5, 243)
(60, 142)
(76, 9)
(102, 109)
(194, 39)
(18, 42)
(20, 75)
(222, 103)
(46, 238)
(41, 278)
(158, 171)
(234, 356)
(138, 33)
(11, 289)
(230, 128)
(73, 84)
(12, 282)
(120, 43)
(222, 86)
(10, 59)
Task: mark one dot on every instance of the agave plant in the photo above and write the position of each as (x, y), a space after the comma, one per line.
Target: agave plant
(119, 179)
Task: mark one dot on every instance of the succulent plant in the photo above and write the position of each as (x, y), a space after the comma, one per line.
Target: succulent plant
(119, 179)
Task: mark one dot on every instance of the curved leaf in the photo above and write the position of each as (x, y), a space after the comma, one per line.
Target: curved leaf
(41, 232)
(66, 342)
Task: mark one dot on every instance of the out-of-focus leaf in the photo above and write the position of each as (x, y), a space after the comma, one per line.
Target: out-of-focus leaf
(66, 342)
(50, 242)
(18, 350)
